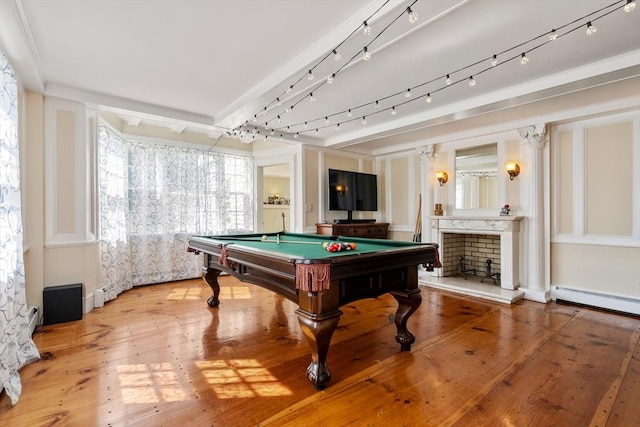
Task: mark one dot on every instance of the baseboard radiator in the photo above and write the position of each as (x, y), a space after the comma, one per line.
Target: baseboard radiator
(33, 318)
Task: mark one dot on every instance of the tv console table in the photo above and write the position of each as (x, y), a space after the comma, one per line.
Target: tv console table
(374, 230)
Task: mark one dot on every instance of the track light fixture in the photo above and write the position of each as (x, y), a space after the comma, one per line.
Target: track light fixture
(310, 75)
(553, 35)
(591, 29)
(494, 60)
(472, 82)
(413, 17)
(394, 111)
(407, 94)
(364, 120)
(366, 54)
(366, 29)
(631, 4)
(428, 99)
(447, 81)
(349, 113)
(336, 55)
(523, 59)
(331, 78)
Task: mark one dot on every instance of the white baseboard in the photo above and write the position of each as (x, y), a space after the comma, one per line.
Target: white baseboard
(536, 295)
(620, 303)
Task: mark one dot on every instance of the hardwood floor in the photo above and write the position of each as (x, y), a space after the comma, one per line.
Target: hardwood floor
(159, 356)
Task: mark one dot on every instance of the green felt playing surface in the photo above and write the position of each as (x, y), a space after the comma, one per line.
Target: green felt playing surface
(308, 245)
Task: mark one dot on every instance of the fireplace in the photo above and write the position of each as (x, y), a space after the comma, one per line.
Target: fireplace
(476, 240)
(475, 255)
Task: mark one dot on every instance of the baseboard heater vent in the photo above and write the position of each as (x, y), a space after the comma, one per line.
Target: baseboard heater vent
(98, 297)
(33, 318)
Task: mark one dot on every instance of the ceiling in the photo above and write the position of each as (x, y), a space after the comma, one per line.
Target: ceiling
(219, 66)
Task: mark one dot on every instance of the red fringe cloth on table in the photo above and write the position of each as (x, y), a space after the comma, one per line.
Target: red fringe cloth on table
(313, 277)
(437, 263)
(223, 257)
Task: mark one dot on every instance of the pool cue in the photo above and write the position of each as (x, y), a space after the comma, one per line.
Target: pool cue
(265, 239)
(417, 233)
(283, 226)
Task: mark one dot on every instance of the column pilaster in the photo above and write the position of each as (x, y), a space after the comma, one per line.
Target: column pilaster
(428, 157)
(536, 138)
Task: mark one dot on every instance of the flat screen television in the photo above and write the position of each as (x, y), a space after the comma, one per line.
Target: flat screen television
(352, 191)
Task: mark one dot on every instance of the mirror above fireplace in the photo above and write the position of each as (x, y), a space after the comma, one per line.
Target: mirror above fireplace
(476, 180)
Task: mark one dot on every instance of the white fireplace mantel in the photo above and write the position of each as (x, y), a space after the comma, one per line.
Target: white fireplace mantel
(506, 226)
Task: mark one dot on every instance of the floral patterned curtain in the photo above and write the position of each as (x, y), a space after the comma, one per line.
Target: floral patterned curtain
(16, 346)
(154, 196)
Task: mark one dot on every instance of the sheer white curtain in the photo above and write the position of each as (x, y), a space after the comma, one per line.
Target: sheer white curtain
(154, 196)
(16, 347)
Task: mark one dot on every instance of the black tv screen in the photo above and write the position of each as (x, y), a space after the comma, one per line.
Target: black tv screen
(352, 191)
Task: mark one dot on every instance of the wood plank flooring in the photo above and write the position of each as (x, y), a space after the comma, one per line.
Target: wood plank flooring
(159, 356)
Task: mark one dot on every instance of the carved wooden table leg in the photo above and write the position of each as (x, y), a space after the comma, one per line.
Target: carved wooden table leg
(210, 275)
(408, 303)
(318, 329)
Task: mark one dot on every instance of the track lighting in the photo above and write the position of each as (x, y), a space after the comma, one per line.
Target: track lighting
(631, 4)
(413, 17)
(366, 54)
(367, 29)
(242, 130)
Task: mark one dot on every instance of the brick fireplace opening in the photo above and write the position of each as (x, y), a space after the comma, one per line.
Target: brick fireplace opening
(472, 256)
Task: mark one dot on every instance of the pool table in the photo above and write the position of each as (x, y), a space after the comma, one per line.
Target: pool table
(298, 267)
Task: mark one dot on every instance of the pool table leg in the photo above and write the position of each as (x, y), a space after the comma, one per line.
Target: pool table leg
(210, 275)
(318, 330)
(408, 303)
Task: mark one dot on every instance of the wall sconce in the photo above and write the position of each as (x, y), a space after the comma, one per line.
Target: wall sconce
(442, 177)
(341, 189)
(513, 169)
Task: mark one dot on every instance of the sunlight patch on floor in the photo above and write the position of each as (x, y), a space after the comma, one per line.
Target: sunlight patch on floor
(235, 292)
(185, 293)
(238, 378)
(150, 383)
